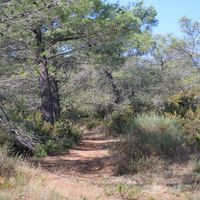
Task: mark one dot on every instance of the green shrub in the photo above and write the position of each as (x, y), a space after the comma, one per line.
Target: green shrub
(54, 147)
(68, 143)
(65, 128)
(150, 136)
(93, 123)
(185, 107)
(141, 104)
(41, 151)
(163, 134)
(18, 110)
(49, 139)
(59, 139)
(181, 103)
(152, 127)
(120, 120)
(191, 129)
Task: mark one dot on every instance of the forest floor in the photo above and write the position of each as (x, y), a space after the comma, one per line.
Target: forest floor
(86, 173)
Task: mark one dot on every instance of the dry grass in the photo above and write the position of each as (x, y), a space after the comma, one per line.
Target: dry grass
(19, 180)
(35, 189)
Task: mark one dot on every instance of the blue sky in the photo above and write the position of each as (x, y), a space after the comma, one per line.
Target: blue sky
(169, 12)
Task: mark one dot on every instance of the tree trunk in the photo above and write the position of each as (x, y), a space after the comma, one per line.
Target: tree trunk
(46, 95)
(55, 98)
(114, 87)
(50, 101)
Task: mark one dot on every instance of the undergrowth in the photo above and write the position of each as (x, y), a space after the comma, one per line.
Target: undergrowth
(151, 140)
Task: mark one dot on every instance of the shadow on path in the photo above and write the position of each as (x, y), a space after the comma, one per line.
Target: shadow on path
(90, 157)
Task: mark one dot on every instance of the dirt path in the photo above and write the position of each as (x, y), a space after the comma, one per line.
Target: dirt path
(91, 157)
(82, 172)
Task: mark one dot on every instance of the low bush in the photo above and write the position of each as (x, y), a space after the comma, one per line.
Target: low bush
(65, 128)
(62, 136)
(150, 137)
(185, 107)
(56, 146)
(93, 123)
(48, 139)
(191, 129)
(181, 103)
(120, 119)
(40, 151)
(27, 133)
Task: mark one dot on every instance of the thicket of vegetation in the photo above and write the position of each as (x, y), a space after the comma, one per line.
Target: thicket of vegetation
(64, 64)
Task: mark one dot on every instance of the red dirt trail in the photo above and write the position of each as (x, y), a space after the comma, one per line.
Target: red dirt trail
(81, 173)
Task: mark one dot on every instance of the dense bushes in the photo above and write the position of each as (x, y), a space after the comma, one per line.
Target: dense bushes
(191, 129)
(48, 139)
(181, 103)
(186, 108)
(56, 139)
(164, 134)
(150, 137)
